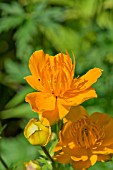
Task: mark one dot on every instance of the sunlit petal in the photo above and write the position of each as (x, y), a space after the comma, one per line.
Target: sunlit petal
(77, 98)
(34, 83)
(85, 81)
(104, 121)
(41, 101)
(76, 113)
(36, 63)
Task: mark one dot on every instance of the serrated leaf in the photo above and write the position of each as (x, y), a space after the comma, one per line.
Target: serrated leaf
(10, 22)
(16, 71)
(62, 38)
(46, 14)
(23, 37)
(13, 8)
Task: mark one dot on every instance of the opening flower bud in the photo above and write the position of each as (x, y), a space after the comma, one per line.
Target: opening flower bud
(37, 133)
(32, 165)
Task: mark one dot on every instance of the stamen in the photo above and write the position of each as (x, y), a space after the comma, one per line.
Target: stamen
(86, 133)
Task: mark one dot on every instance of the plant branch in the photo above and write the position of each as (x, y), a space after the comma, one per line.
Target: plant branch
(4, 164)
(49, 157)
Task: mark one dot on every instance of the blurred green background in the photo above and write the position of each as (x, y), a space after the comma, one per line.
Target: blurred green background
(84, 27)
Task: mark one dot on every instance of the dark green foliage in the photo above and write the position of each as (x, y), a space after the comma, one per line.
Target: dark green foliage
(82, 27)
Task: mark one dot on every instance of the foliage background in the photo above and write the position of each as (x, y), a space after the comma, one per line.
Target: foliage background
(82, 27)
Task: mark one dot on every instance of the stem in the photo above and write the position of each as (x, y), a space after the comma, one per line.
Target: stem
(60, 124)
(3, 162)
(59, 127)
(49, 157)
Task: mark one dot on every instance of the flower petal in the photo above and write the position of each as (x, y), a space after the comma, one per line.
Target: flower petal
(52, 116)
(104, 121)
(76, 113)
(82, 158)
(34, 82)
(62, 158)
(103, 150)
(63, 109)
(75, 151)
(103, 158)
(36, 62)
(40, 101)
(85, 81)
(81, 165)
(66, 135)
(75, 99)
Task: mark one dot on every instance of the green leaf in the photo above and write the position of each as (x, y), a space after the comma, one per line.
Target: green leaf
(105, 20)
(43, 14)
(10, 22)
(17, 150)
(24, 37)
(62, 38)
(46, 164)
(13, 8)
(21, 111)
(62, 2)
(102, 166)
(19, 97)
(2, 128)
(88, 8)
(16, 72)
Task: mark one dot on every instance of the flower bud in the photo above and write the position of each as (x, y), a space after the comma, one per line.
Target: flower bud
(37, 133)
(32, 165)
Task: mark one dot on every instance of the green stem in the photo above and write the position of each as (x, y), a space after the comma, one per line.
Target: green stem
(59, 127)
(4, 164)
(60, 124)
(49, 157)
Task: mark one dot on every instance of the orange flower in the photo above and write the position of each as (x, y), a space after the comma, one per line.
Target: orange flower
(85, 139)
(58, 90)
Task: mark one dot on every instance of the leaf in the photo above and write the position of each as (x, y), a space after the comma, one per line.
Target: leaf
(62, 38)
(102, 166)
(108, 4)
(16, 72)
(14, 8)
(16, 151)
(88, 8)
(2, 129)
(24, 37)
(105, 20)
(62, 2)
(21, 111)
(51, 150)
(46, 164)
(43, 14)
(10, 22)
(19, 97)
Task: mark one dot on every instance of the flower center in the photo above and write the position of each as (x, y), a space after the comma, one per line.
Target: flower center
(87, 133)
(57, 74)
